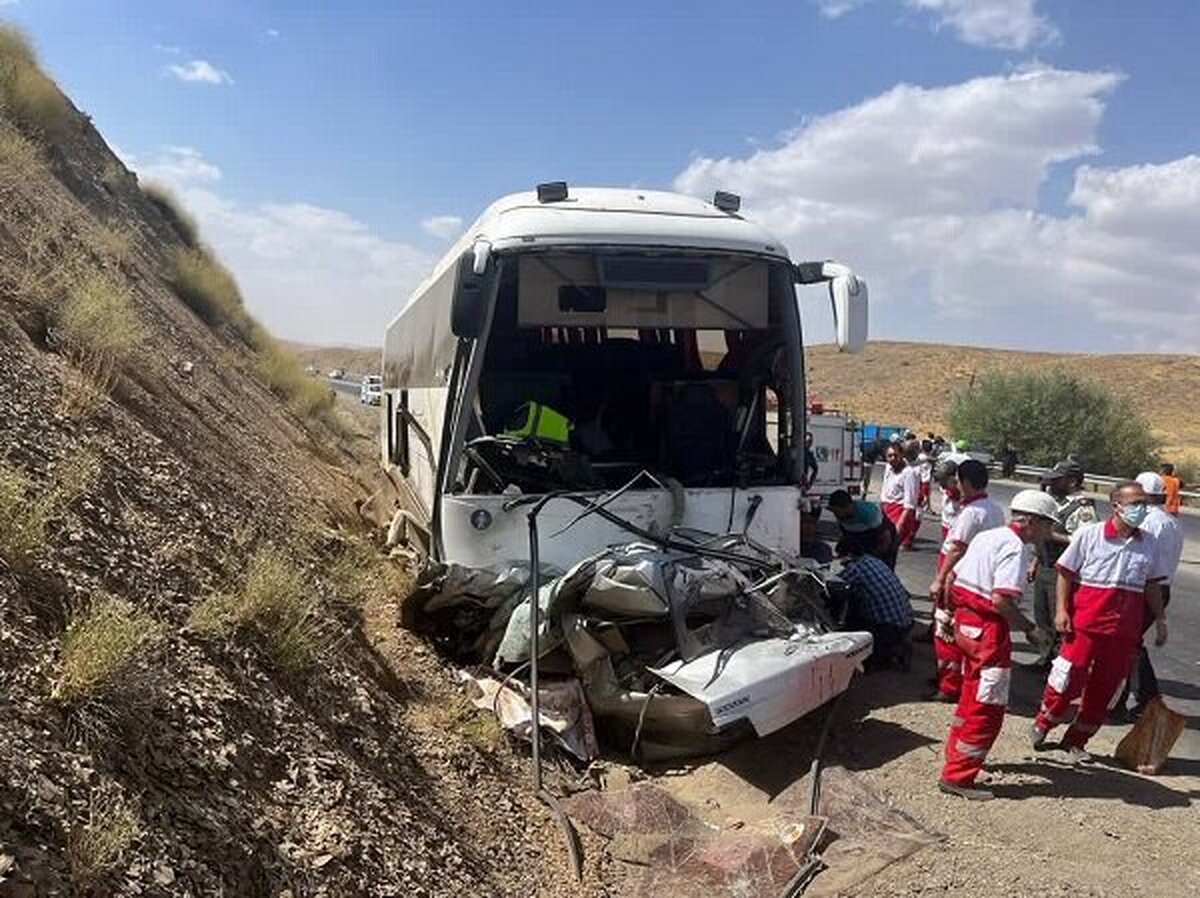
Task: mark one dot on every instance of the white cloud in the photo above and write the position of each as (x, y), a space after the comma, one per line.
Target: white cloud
(1004, 24)
(272, 32)
(168, 49)
(933, 194)
(174, 166)
(308, 272)
(200, 71)
(833, 9)
(1007, 24)
(442, 226)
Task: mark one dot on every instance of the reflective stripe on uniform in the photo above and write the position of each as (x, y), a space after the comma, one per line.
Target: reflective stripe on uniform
(971, 750)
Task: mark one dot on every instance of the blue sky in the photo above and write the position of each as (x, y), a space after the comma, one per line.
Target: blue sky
(1006, 172)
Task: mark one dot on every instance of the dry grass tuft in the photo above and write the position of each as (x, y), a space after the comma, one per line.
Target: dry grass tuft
(99, 320)
(172, 210)
(308, 397)
(101, 331)
(27, 95)
(23, 516)
(20, 163)
(208, 289)
(275, 601)
(95, 846)
(361, 573)
(22, 519)
(105, 653)
(114, 243)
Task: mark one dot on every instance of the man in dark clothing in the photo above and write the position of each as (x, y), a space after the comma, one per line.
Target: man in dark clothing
(865, 528)
(811, 544)
(880, 605)
(810, 461)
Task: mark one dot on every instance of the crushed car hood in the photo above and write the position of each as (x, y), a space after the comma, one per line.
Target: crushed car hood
(769, 682)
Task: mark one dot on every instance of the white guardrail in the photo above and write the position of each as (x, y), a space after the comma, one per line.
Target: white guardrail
(1097, 483)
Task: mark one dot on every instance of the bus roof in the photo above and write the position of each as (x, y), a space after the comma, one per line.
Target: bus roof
(606, 216)
(418, 344)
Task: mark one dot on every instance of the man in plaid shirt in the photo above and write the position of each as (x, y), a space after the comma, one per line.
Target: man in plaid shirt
(880, 605)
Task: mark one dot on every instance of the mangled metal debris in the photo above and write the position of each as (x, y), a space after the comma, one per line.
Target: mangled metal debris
(681, 648)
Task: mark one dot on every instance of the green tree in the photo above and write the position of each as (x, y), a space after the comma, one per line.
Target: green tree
(1047, 415)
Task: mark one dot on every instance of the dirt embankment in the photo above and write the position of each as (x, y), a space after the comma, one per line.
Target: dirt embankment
(297, 746)
(912, 384)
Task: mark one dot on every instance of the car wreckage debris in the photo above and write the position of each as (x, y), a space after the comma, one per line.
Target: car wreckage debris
(679, 650)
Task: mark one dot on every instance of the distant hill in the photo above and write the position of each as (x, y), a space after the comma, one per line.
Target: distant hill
(912, 383)
(351, 359)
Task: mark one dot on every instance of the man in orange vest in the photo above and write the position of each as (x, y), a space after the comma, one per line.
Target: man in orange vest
(1173, 485)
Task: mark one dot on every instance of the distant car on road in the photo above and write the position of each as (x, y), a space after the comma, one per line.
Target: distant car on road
(337, 373)
(312, 370)
(371, 391)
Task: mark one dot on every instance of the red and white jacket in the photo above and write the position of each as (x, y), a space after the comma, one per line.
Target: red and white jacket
(1111, 572)
(975, 515)
(900, 487)
(996, 561)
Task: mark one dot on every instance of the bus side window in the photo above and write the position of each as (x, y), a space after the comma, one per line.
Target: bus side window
(398, 431)
(402, 428)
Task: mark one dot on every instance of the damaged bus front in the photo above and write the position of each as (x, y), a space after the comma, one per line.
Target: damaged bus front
(625, 370)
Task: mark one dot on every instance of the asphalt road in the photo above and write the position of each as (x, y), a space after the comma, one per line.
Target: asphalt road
(1177, 664)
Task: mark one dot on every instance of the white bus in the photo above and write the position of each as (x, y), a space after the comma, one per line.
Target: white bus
(627, 331)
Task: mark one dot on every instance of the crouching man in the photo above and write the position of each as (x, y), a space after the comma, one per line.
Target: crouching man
(986, 586)
(1110, 572)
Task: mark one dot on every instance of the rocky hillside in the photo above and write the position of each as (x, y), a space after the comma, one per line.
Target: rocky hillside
(202, 691)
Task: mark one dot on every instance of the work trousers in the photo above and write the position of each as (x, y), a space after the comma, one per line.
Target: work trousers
(949, 658)
(946, 655)
(1144, 681)
(1090, 667)
(895, 512)
(986, 647)
(1045, 601)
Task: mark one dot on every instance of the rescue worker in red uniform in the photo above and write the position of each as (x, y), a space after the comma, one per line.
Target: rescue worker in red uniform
(1109, 577)
(976, 513)
(986, 585)
(900, 495)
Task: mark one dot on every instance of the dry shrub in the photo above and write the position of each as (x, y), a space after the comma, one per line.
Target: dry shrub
(361, 573)
(101, 330)
(27, 95)
(308, 397)
(276, 602)
(20, 163)
(105, 655)
(112, 242)
(172, 210)
(95, 846)
(208, 289)
(115, 175)
(22, 519)
(37, 260)
(99, 320)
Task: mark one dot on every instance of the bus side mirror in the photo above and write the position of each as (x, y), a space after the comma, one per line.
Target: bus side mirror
(848, 295)
(468, 308)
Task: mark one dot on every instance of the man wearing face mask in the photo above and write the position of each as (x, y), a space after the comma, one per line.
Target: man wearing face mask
(1169, 537)
(1109, 578)
(986, 585)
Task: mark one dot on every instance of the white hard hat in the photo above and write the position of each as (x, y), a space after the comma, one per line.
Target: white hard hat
(1152, 484)
(1035, 502)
